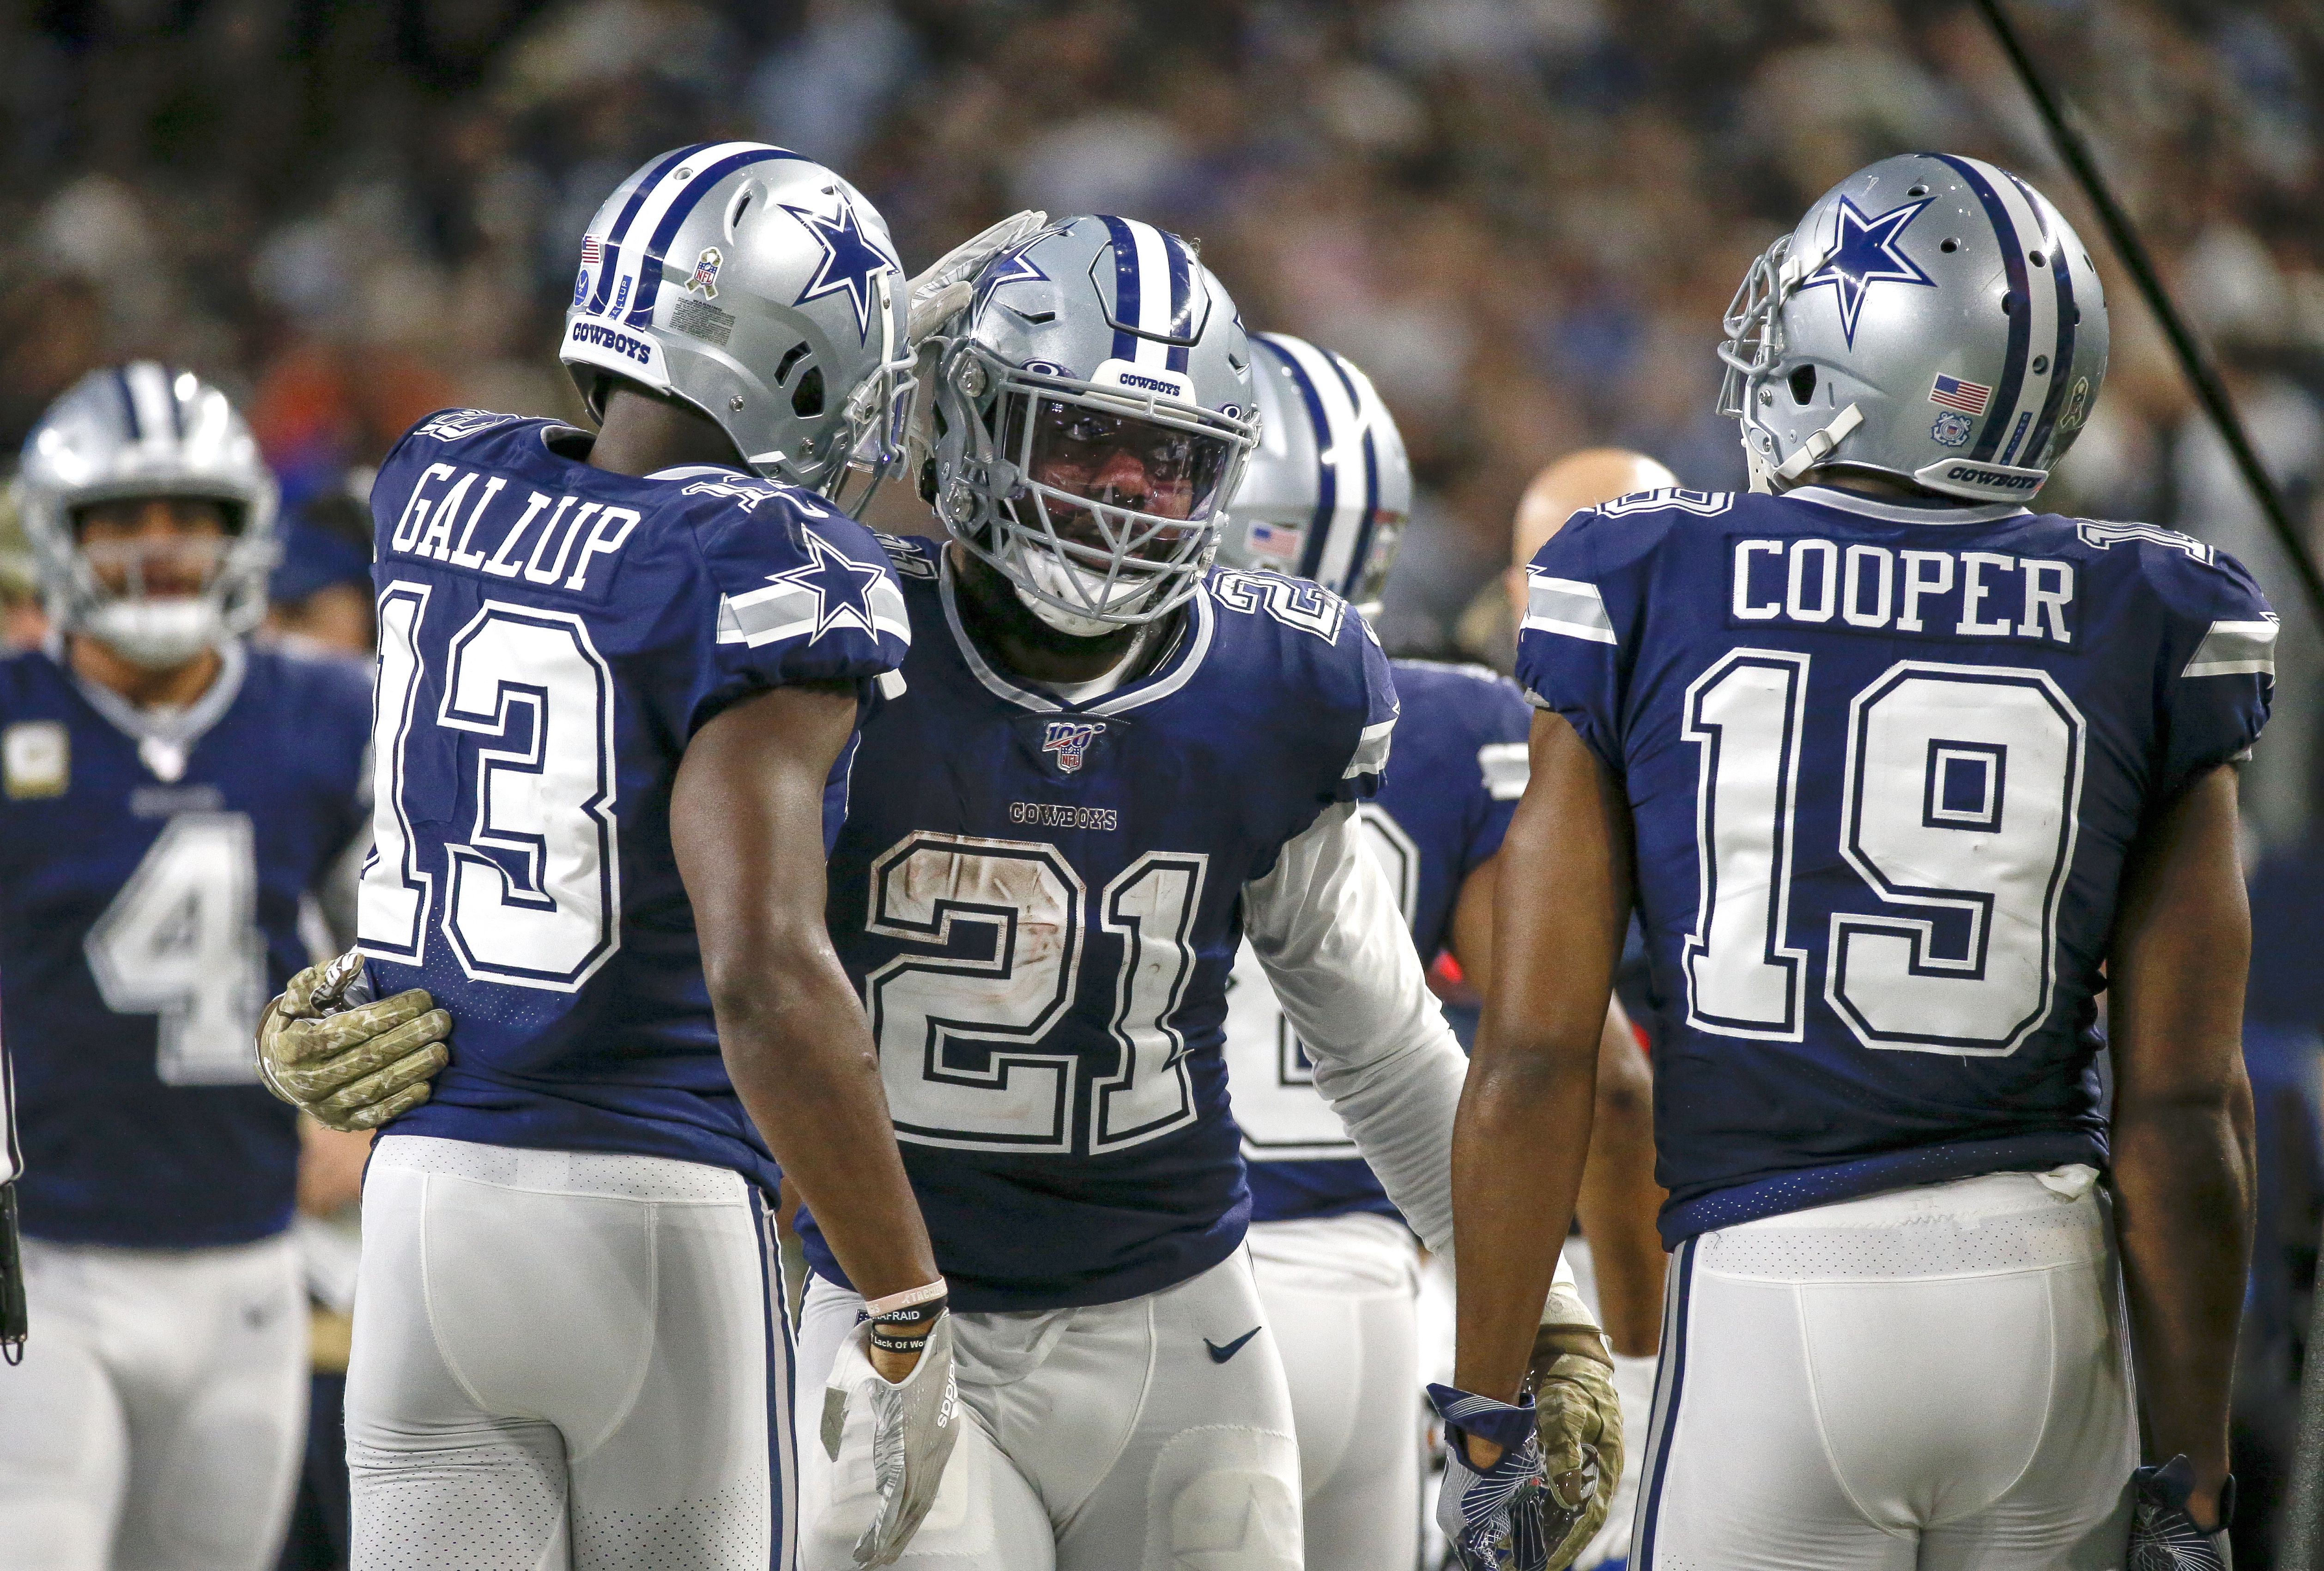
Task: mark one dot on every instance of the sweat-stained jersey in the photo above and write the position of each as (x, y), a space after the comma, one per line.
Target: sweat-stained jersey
(1458, 767)
(551, 637)
(152, 869)
(1884, 763)
(1040, 906)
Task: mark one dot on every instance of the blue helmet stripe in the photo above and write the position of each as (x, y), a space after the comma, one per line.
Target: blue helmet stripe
(2061, 358)
(613, 238)
(649, 270)
(1327, 490)
(1182, 304)
(1126, 294)
(128, 404)
(2021, 320)
(1371, 483)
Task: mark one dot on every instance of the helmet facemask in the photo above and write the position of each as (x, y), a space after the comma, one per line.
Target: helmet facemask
(158, 603)
(1100, 505)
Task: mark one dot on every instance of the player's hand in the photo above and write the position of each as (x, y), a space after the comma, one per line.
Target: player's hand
(2164, 1534)
(325, 1046)
(1499, 1517)
(913, 1423)
(1579, 1415)
(943, 290)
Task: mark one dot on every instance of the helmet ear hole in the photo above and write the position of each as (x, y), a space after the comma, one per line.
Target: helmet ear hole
(807, 398)
(1803, 383)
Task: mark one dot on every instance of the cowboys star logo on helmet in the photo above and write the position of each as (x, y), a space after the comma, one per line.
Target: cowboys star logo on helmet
(1863, 254)
(851, 263)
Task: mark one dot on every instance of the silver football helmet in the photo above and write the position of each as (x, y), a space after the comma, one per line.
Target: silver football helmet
(146, 430)
(1932, 319)
(1093, 411)
(762, 289)
(1328, 489)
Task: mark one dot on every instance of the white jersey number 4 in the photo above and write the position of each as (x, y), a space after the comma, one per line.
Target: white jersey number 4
(181, 941)
(1961, 802)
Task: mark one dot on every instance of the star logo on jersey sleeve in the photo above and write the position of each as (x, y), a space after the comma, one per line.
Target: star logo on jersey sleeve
(1863, 254)
(842, 587)
(850, 264)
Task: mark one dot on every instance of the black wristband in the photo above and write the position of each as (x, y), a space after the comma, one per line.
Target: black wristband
(906, 1330)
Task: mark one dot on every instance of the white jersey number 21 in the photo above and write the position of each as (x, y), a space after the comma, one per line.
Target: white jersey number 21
(1962, 793)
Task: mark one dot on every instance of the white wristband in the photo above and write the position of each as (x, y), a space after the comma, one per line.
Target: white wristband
(906, 1300)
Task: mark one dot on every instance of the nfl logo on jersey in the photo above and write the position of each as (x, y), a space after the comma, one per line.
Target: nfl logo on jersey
(1069, 741)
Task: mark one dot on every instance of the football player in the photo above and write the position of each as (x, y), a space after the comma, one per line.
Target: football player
(619, 684)
(1900, 774)
(170, 796)
(1325, 496)
(1113, 763)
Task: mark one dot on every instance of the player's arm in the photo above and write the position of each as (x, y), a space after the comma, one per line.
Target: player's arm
(1620, 1198)
(2184, 1171)
(746, 822)
(1526, 1109)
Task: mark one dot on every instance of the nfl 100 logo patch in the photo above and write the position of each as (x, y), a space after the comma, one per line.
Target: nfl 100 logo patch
(1068, 742)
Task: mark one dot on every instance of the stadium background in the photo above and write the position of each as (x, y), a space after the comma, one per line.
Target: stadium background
(1522, 216)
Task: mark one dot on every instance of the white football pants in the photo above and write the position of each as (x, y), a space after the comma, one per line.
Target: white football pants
(1112, 1438)
(1928, 1380)
(1342, 1295)
(159, 1413)
(565, 1361)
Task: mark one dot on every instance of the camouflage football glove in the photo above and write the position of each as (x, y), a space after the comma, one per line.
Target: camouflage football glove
(2163, 1536)
(1579, 1416)
(945, 289)
(325, 1046)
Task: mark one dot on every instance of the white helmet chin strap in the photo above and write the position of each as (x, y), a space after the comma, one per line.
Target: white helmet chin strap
(1068, 582)
(1767, 477)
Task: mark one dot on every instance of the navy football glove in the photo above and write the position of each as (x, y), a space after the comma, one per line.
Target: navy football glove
(1504, 1518)
(2162, 1536)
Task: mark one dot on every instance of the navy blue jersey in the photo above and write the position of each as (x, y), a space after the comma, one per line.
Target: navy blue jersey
(1041, 905)
(1457, 769)
(1884, 764)
(551, 637)
(151, 870)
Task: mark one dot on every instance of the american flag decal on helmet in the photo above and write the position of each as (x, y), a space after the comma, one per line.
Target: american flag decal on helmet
(593, 250)
(1969, 398)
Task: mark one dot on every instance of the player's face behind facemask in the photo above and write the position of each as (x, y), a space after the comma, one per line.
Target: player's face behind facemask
(1122, 500)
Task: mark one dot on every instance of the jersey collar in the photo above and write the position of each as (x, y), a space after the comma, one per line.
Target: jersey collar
(1177, 668)
(1899, 512)
(164, 739)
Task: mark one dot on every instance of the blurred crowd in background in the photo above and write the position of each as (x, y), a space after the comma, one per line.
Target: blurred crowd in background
(1524, 217)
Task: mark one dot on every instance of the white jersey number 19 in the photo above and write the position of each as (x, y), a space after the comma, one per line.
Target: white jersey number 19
(1960, 807)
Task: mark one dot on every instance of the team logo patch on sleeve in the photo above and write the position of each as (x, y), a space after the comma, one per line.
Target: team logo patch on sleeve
(36, 755)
